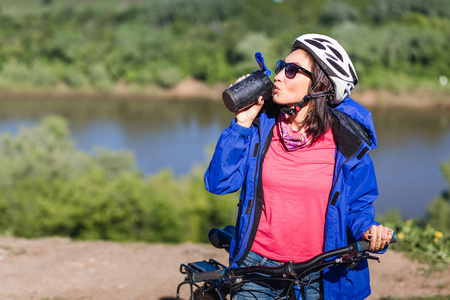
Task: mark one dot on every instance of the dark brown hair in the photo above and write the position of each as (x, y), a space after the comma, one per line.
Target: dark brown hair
(319, 118)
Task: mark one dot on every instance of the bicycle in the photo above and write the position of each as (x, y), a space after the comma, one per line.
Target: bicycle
(211, 280)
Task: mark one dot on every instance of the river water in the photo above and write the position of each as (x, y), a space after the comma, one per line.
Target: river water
(179, 135)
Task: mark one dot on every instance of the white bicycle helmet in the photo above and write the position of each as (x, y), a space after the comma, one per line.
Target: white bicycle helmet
(333, 60)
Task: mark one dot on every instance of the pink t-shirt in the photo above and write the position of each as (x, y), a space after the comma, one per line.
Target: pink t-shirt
(296, 187)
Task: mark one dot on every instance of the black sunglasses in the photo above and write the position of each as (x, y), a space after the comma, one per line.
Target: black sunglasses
(290, 69)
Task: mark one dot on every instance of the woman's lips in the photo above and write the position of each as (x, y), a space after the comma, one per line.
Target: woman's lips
(276, 89)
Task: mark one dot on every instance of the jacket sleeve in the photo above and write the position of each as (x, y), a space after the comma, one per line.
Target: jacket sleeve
(363, 190)
(228, 167)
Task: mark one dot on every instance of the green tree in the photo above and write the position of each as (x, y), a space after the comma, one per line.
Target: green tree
(163, 41)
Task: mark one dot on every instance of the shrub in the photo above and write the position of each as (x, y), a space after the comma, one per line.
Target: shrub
(438, 211)
(335, 13)
(50, 188)
(18, 74)
(42, 75)
(424, 244)
(99, 76)
(168, 76)
(75, 78)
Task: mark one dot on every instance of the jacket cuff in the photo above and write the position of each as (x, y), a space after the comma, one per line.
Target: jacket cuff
(241, 130)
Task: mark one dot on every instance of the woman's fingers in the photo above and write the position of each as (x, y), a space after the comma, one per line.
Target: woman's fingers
(379, 236)
(260, 100)
(375, 241)
(383, 237)
(241, 78)
(245, 117)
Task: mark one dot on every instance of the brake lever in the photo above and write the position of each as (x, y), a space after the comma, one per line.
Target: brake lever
(230, 280)
(352, 259)
(368, 256)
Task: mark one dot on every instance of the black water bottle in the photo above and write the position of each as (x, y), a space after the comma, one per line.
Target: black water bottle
(246, 92)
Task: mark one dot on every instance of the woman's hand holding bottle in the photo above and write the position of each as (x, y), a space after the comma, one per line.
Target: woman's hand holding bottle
(246, 116)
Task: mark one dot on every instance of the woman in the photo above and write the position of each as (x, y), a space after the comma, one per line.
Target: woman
(302, 163)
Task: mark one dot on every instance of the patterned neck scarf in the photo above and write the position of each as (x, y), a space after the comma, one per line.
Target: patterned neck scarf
(292, 140)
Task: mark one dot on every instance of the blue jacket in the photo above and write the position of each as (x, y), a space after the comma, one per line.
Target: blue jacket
(236, 164)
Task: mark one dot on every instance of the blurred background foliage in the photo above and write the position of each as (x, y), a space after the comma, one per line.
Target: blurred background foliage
(96, 44)
(48, 187)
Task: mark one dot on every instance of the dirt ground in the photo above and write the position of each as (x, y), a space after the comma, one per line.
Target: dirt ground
(58, 268)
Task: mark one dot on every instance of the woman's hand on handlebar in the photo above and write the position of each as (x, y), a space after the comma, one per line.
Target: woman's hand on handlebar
(379, 236)
(246, 116)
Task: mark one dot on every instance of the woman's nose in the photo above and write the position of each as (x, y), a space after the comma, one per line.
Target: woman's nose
(279, 76)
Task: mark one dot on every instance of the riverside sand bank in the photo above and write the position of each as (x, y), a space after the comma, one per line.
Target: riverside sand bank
(190, 89)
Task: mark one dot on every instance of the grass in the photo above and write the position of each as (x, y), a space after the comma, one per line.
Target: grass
(400, 82)
(5, 247)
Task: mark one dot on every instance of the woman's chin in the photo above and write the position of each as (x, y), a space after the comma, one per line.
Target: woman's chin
(276, 99)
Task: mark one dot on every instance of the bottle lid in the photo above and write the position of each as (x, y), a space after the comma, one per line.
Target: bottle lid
(260, 60)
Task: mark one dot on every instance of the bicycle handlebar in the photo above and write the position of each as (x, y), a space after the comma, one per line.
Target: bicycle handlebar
(286, 268)
(209, 275)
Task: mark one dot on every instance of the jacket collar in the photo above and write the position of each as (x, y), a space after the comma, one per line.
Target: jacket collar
(353, 128)
(357, 119)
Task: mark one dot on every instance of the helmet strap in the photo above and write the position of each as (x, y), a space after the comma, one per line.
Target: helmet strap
(298, 107)
(308, 97)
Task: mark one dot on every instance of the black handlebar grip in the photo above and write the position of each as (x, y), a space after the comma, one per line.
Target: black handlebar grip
(209, 275)
(365, 245)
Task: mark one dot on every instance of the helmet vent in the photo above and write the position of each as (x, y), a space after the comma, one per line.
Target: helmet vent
(316, 44)
(331, 56)
(355, 78)
(336, 53)
(337, 67)
(322, 40)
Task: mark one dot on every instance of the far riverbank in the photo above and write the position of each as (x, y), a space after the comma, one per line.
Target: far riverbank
(190, 89)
